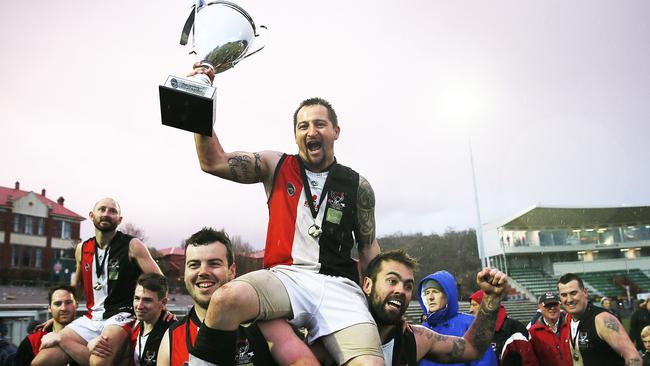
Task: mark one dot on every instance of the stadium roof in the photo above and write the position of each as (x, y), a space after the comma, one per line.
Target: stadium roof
(556, 216)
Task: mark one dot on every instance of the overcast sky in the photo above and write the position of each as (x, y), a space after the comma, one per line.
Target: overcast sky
(554, 95)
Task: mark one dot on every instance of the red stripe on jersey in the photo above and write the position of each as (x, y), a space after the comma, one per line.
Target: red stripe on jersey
(87, 258)
(284, 202)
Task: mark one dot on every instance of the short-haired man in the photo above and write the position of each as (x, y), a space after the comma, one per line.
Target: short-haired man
(549, 335)
(318, 210)
(645, 337)
(209, 264)
(62, 305)
(596, 336)
(108, 266)
(389, 284)
(149, 302)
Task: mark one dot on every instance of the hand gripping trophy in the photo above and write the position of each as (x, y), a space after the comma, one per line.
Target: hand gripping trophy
(222, 34)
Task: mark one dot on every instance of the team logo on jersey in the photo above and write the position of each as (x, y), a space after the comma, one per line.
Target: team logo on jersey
(87, 267)
(335, 200)
(291, 189)
(244, 355)
(113, 269)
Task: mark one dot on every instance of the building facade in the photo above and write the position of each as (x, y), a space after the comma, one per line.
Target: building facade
(37, 237)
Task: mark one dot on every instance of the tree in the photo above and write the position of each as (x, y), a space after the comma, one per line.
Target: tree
(134, 231)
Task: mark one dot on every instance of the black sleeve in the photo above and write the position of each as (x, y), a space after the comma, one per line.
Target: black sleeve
(24, 355)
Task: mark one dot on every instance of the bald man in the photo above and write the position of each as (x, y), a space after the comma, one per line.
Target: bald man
(108, 266)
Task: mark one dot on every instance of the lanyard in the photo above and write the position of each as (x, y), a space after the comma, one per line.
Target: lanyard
(99, 267)
(306, 185)
(140, 343)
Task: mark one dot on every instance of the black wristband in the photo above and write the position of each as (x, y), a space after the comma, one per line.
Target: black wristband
(215, 346)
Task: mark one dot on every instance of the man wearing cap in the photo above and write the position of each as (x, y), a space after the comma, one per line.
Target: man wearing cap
(549, 335)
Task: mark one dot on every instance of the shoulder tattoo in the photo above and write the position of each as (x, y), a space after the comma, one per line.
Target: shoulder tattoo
(365, 212)
(245, 168)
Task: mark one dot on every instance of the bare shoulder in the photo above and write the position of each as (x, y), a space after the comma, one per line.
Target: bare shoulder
(608, 322)
(136, 247)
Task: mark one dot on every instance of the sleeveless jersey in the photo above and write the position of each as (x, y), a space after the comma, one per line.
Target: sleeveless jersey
(118, 281)
(147, 353)
(593, 349)
(288, 240)
(404, 348)
(252, 349)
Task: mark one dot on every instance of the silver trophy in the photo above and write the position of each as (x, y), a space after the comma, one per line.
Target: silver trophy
(222, 34)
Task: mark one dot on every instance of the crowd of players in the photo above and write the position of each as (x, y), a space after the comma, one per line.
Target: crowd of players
(313, 303)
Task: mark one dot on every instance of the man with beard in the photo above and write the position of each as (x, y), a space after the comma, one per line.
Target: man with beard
(209, 263)
(596, 335)
(62, 305)
(389, 285)
(108, 266)
(318, 210)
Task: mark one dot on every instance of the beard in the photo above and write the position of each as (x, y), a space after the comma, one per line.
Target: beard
(379, 313)
(105, 228)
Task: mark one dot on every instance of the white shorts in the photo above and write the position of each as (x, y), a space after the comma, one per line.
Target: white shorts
(89, 329)
(322, 304)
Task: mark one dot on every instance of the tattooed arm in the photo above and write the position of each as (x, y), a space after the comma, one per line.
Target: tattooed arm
(611, 331)
(449, 349)
(365, 230)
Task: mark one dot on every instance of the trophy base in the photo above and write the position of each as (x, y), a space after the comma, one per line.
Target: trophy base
(187, 105)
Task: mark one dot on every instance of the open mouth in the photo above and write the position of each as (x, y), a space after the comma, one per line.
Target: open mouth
(394, 304)
(314, 145)
(205, 284)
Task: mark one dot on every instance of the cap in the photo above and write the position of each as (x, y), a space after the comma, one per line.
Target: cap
(549, 298)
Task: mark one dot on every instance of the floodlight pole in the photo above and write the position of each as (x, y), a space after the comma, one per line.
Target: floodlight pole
(479, 227)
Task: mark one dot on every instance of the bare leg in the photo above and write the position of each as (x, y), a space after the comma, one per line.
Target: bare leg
(117, 338)
(71, 347)
(232, 304)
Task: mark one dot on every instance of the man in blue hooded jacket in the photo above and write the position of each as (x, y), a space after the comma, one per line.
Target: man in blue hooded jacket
(439, 301)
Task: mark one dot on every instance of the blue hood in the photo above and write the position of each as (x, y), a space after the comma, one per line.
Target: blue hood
(448, 284)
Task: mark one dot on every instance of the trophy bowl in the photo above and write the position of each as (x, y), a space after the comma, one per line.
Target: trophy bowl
(222, 35)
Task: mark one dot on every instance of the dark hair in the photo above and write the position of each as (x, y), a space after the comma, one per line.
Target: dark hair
(397, 255)
(68, 288)
(154, 282)
(331, 114)
(208, 235)
(568, 277)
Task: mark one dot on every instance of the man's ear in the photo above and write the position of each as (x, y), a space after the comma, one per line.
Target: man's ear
(232, 271)
(367, 285)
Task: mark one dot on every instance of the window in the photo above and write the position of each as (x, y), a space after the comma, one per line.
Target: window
(40, 226)
(66, 230)
(57, 229)
(15, 254)
(38, 258)
(16, 223)
(29, 230)
(25, 257)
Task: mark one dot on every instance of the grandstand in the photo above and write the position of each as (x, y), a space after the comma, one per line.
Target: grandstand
(609, 247)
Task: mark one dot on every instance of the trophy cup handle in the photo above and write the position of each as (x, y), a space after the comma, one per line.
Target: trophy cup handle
(258, 49)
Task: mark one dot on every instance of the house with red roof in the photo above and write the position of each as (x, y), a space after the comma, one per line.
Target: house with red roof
(37, 236)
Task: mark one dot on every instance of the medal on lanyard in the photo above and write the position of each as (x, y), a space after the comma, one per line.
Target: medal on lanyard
(314, 230)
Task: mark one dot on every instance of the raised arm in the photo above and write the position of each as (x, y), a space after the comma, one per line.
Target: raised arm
(611, 331)
(238, 166)
(449, 349)
(365, 232)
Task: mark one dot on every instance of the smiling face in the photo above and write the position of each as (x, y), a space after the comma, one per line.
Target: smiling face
(315, 135)
(206, 269)
(106, 215)
(63, 307)
(389, 294)
(147, 305)
(550, 312)
(573, 298)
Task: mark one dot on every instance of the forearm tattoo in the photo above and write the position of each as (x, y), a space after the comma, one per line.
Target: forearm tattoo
(454, 345)
(365, 213)
(633, 362)
(244, 170)
(482, 330)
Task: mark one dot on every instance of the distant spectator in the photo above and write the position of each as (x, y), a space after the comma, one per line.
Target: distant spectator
(640, 319)
(510, 337)
(439, 300)
(549, 335)
(645, 336)
(62, 305)
(7, 349)
(611, 306)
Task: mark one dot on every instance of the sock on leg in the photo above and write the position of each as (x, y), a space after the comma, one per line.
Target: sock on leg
(215, 346)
